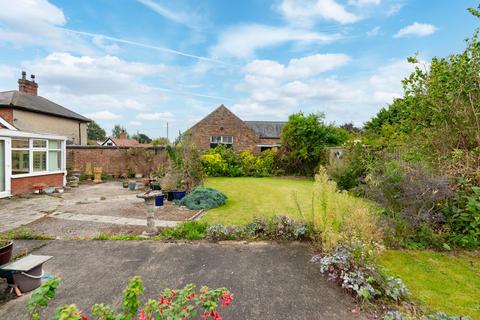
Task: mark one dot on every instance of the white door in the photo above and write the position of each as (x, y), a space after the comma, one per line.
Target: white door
(5, 167)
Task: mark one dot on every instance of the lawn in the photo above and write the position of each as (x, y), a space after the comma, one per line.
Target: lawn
(250, 197)
(448, 282)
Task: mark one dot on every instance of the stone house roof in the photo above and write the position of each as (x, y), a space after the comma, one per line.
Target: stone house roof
(266, 129)
(34, 103)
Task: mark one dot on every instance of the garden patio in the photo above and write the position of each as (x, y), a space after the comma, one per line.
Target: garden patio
(108, 208)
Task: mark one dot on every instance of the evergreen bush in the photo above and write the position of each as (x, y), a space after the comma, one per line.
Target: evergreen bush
(203, 198)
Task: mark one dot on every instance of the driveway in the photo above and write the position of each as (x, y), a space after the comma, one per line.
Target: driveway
(270, 281)
(85, 212)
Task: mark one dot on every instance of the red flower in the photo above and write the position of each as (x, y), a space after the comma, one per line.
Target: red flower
(227, 298)
(141, 316)
(84, 317)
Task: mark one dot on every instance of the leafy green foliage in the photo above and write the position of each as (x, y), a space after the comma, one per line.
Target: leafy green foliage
(160, 141)
(184, 303)
(142, 138)
(117, 130)
(203, 198)
(41, 297)
(225, 162)
(95, 132)
(304, 139)
(185, 164)
(464, 218)
(272, 228)
(222, 162)
(190, 230)
(351, 268)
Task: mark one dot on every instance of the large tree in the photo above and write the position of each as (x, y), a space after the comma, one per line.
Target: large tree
(304, 139)
(142, 138)
(95, 132)
(117, 130)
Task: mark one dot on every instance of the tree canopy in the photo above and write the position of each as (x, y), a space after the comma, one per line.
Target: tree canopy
(305, 137)
(95, 132)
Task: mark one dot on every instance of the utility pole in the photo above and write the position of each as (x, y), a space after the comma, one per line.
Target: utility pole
(167, 131)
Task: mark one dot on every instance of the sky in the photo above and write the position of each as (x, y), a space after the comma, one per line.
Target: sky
(145, 63)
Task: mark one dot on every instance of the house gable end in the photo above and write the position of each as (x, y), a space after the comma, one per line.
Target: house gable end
(223, 122)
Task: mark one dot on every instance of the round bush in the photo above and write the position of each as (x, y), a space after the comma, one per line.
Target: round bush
(203, 198)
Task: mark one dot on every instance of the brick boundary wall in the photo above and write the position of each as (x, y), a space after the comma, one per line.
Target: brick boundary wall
(116, 160)
(25, 185)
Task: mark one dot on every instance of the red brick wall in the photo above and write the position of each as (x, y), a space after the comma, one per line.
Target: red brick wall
(25, 185)
(7, 114)
(116, 160)
(222, 122)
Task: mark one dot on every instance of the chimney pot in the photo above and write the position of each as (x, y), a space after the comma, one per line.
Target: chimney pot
(28, 86)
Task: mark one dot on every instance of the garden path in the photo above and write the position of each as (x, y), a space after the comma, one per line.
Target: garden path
(270, 281)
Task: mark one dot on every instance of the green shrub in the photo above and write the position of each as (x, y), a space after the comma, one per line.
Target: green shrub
(222, 162)
(190, 230)
(203, 198)
(464, 218)
(225, 162)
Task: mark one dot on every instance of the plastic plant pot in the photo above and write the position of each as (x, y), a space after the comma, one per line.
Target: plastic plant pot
(159, 200)
(6, 252)
(132, 186)
(178, 195)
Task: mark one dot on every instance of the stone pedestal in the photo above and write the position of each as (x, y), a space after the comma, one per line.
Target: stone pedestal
(149, 198)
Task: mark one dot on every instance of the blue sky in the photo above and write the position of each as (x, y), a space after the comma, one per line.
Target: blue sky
(143, 63)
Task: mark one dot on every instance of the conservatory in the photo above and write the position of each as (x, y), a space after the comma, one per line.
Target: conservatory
(28, 159)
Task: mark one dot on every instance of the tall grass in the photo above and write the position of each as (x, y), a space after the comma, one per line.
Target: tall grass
(339, 218)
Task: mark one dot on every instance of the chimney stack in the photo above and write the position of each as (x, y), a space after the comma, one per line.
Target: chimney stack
(122, 135)
(28, 86)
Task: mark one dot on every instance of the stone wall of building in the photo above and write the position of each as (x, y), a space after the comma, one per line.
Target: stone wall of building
(116, 160)
(222, 122)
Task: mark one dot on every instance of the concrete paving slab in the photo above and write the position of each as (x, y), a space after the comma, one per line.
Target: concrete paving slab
(112, 220)
(270, 281)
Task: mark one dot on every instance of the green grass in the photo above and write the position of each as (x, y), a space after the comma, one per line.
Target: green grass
(252, 197)
(448, 282)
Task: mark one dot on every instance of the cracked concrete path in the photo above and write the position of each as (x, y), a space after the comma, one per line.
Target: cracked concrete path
(270, 281)
(85, 212)
(17, 212)
(111, 219)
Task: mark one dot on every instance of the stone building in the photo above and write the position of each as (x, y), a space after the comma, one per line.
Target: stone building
(26, 110)
(222, 126)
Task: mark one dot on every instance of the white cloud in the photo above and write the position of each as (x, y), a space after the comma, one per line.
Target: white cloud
(103, 115)
(417, 29)
(386, 81)
(361, 3)
(374, 32)
(308, 12)
(155, 116)
(36, 22)
(135, 123)
(274, 90)
(92, 75)
(297, 68)
(394, 9)
(242, 41)
(179, 16)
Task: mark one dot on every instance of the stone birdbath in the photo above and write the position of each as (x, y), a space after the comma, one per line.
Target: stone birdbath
(149, 198)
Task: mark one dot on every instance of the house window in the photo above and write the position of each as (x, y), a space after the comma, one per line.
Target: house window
(224, 140)
(39, 155)
(36, 156)
(20, 156)
(54, 155)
